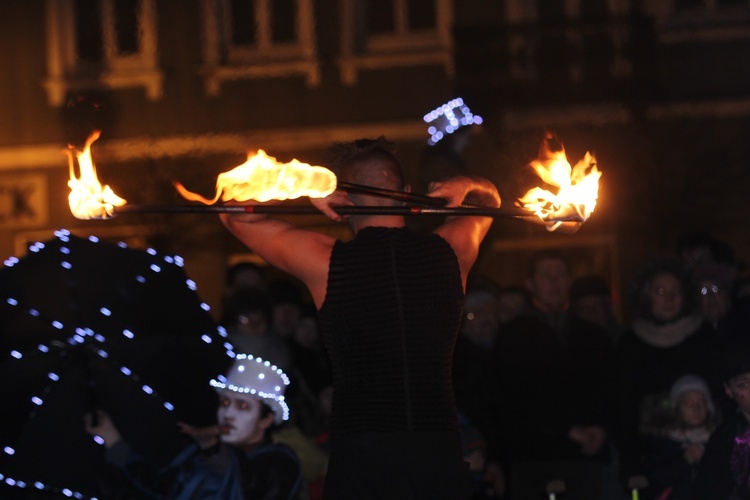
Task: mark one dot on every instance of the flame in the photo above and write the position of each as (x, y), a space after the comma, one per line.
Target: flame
(578, 186)
(262, 178)
(88, 199)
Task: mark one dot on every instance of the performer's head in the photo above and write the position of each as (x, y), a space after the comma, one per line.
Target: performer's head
(368, 162)
(251, 400)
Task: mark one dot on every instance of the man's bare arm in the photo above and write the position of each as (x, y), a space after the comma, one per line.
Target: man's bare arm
(465, 233)
(301, 253)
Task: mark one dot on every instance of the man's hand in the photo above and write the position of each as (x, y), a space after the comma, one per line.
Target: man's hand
(326, 205)
(693, 453)
(590, 438)
(103, 427)
(461, 189)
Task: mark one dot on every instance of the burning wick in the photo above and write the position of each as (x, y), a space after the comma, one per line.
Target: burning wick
(578, 186)
(262, 178)
(88, 199)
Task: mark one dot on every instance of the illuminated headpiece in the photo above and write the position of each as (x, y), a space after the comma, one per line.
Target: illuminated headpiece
(448, 118)
(254, 376)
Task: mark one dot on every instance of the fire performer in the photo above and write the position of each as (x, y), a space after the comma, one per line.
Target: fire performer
(390, 304)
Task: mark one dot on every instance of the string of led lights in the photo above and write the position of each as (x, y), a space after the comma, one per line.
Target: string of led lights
(92, 342)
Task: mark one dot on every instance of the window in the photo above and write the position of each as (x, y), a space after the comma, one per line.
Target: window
(379, 34)
(692, 20)
(567, 41)
(246, 39)
(101, 43)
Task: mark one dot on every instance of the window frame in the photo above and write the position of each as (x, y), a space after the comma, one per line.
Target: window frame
(401, 48)
(223, 62)
(66, 72)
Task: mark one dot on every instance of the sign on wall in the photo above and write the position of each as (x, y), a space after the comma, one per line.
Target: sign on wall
(23, 201)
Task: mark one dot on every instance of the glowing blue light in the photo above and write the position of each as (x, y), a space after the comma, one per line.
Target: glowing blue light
(43, 348)
(105, 311)
(191, 285)
(99, 338)
(99, 440)
(37, 400)
(66, 265)
(222, 331)
(12, 301)
(179, 261)
(169, 406)
(67, 492)
(140, 279)
(93, 239)
(228, 345)
(34, 312)
(155, 268)
(9, 450)
(448, 118)
(205, 306)
(206, 338)
(147, 389)
(53, 376)
(10, 481)
(57, 325)
(16, 354)
(38, 485)
(128, 334)
(102, 353)
(126, 371)
(65, 250)
(122, 244)
(78, 339)
(169, 259)
(151, 251)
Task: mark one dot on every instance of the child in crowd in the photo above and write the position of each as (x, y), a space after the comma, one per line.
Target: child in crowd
(675, 445)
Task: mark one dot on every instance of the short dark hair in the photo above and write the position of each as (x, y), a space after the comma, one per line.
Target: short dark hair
(546, 254)
(344, 155)
(236, 269)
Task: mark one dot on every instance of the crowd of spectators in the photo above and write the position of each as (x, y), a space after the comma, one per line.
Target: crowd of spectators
(552, 385)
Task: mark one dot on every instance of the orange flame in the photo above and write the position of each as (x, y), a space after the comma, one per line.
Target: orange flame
(88, 199)
(262, 178)
(578, 186)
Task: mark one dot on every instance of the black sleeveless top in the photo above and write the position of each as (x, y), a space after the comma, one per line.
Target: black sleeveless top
(389, 322)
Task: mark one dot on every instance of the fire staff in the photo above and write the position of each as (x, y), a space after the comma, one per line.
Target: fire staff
(390, 304)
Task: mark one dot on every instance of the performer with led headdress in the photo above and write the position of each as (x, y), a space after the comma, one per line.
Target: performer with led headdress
(234, 459)
(390, 305)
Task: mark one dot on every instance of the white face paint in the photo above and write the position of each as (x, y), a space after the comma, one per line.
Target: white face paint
(241, 414)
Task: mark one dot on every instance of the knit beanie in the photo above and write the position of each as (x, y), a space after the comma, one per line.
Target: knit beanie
(690, 383)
